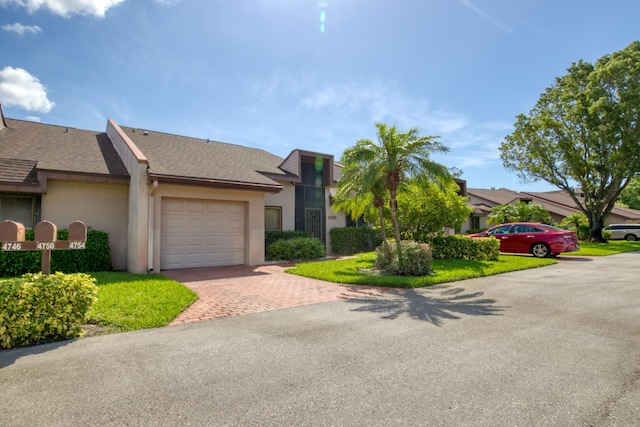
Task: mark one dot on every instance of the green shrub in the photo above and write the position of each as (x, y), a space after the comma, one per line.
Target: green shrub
(299, 248)
(273, 236)
(95, 257)
(415, 259)
(463, 247)
(352, 240)
(606, 234)
(38, 307)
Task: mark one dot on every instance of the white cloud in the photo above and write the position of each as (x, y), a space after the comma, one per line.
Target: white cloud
(486, 16)
(20, 89)
(33, 118)
(66, 8)
(22, 29)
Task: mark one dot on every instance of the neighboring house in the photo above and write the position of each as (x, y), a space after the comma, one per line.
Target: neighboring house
(167, 201)
(558, 203)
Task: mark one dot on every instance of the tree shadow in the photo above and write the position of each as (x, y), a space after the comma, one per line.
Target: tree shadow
(9, 356)
(433, 304)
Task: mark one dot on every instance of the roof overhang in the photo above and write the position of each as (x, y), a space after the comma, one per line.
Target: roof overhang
(206, 182)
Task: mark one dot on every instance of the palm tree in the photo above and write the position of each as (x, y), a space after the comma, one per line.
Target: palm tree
(521, 211)
(393, 158)
(359, 187)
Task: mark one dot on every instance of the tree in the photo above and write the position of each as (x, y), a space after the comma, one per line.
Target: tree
(395, 157)
(582, 135)
(426, 208)
(630, 196)
(577, 221)
(521, 211)
(359, 187)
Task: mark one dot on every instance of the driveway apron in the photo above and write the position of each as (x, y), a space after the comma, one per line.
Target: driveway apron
(236, 290)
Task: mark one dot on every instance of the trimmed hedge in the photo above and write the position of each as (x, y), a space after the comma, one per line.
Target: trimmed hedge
(299, 248)
(95, 257)
(270, 237)
(353, 240)
(463, 247)
(38, 307)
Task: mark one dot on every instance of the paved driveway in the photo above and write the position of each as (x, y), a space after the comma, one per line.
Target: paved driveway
(232, 291)
(558, 345)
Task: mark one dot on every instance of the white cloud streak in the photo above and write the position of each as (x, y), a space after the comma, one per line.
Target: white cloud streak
(20, 89)
(66, 8)
(22, 29)
(486, 16)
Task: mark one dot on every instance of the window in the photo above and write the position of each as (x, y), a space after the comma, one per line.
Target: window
(474, 222)
(18, 208)
(504, 229)
(272, 218)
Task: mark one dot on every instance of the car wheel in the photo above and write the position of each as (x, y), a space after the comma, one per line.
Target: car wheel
(540, 250)
(630, 237)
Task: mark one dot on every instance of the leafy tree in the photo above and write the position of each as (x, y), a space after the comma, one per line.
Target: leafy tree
(426, 207)
(521, 211)
(582, 135)
(501, 214)
(630, 196)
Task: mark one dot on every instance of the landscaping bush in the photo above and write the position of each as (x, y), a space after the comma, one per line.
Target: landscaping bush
(270, 237)
(352, 240)
(38, 307)
(95, 256)
(462, 247)
(299, 248)
(415, 259)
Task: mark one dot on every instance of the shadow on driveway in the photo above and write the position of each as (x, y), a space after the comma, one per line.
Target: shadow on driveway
(428, 304)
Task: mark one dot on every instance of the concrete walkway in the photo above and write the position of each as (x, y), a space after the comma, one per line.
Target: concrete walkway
(232, 291)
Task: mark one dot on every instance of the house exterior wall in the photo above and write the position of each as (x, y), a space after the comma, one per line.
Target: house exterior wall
(286, 199)
(103, 207)
(254, 216)
(138, 215)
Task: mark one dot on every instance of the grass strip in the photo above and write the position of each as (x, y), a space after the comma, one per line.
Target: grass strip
(128, 302)
(358, 270)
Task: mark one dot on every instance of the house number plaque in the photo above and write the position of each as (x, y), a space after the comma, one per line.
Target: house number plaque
(12, 236)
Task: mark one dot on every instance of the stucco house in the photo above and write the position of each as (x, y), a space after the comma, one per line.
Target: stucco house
(558, 203)
(167, 201)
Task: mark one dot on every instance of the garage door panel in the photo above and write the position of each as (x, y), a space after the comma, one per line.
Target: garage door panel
(201, 233)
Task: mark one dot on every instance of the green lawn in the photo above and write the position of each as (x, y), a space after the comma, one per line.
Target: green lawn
(356, 270)
(612, 247)
(128, 302)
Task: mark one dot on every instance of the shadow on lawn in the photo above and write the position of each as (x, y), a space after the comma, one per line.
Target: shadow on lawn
(431, 304)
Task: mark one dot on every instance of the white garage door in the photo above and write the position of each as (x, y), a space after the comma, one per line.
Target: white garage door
(201, 233)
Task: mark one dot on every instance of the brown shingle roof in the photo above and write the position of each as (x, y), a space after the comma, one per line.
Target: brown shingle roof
(501, 196)
(185, 157)
(60, 149)
(16, 171)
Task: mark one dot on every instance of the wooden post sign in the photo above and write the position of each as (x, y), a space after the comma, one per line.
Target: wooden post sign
(12, 236)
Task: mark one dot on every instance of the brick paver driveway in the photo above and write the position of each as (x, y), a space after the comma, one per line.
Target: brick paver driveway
(232, 291)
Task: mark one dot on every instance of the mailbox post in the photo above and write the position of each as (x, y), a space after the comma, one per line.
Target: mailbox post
(12, 235)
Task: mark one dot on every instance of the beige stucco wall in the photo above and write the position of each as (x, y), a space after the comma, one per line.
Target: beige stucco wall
(254, 216)
(286, 199)
(138, 214)
(103, 207)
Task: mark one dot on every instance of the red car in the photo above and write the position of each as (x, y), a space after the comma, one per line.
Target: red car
(540, 240)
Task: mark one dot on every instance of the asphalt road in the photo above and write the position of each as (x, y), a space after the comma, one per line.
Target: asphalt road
(558, 345)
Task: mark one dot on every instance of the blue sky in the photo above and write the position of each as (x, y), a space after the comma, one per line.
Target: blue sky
(308, 74)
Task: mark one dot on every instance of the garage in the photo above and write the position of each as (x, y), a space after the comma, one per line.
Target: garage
(202, 233)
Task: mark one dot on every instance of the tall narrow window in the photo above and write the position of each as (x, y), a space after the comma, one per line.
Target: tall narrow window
(272, 218)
